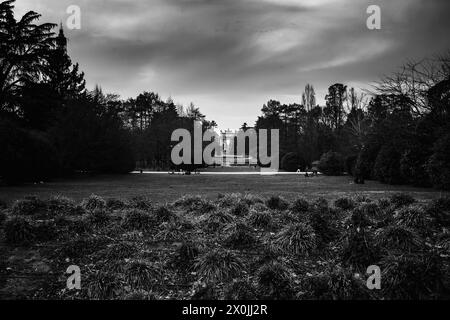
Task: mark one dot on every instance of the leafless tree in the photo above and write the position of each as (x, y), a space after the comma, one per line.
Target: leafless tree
(414, 79)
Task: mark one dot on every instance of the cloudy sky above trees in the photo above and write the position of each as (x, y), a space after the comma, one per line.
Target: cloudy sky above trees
(231, 56)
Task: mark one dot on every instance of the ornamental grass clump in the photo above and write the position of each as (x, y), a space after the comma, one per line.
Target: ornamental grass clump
(218, 265)
(298, 239)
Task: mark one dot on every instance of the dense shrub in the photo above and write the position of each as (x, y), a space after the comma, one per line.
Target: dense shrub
(239, 236)
(331, 164)
(99, 217)
(94, 202)
(18, 230)
(241, 289)
(141, 203)
(359, 249)
(261, 220)
(320, 204)
(70, 226)
(298, 239)
(188, 201)
(384, 203)
(103, 285)
(439, 210)
(139, 295)
(29, 206)
(79, 247)
(171, 231)
(140, 274)
(185, 256)
(117, 251)
(240, 209)
(400, 238)
(3, 217)
(253, 200)
(217, 220)
(409, 276)
(402, 200)
(277, 203)
(115, 204)
(300, 206)
(44, 230)
(204, 291)
(414, 217)
(274, 282)
(291, 162)
(322, 221)
(371, 210)
(218, 265)
(196, 204)
(359, 218)
(164, 214)
(438, 167)
(136, 219)
(229, 200)
(361, 198)
(344, 203)
(60, 205)
(335, 284)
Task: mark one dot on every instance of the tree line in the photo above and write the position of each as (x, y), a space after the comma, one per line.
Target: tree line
(397, 133)
(52, 126)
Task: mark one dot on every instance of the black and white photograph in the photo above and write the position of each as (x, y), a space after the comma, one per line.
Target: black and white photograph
(224, 154)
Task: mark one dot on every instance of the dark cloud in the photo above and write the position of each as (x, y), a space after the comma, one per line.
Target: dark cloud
(230, 56)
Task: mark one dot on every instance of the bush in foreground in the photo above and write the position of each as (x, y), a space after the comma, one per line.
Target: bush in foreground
(3, 205)
(402, 200)
(185, 256)
(274, 282)
(141, 203)
(29, 206)
(410, 276)
(240, 236)
(3, 217)
(141, 274)
(218, 265)
(335, 284)
(136, 219)
(439, 210)
(103, 286)
(400, 238)
(93, 203)
(241, 290)
(298, 239)
(277, 203)
(60, 205)
(359, 249)
(241, 209)
(344, 204)
(300, 206)
(18, 230)
(260, 220)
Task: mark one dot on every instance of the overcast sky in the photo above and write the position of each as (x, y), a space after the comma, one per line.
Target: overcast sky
(231, 56)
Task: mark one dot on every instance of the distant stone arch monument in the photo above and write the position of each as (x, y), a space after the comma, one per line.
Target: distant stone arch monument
(229, 158)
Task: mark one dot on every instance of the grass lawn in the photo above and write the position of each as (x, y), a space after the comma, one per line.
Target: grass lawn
(164, 188)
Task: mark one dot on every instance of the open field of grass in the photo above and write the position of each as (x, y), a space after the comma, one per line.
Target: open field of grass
(166, 188)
